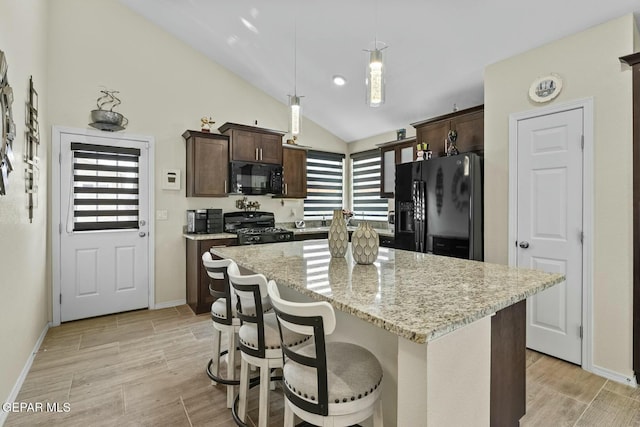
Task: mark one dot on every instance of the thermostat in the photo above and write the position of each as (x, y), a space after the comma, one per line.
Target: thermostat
(170, 179)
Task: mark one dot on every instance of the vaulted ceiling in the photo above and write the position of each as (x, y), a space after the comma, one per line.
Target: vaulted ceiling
(436, 55)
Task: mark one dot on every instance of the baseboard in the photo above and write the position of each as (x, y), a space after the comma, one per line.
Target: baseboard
(168, 304)
(23, 375)
(614, 376)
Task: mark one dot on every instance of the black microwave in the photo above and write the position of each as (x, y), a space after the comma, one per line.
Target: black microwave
(255, 178)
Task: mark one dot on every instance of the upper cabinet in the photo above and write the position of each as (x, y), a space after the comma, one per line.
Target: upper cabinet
(207, 164)
(253, 144)
(294, 165)
(468, 124)
(392, 154)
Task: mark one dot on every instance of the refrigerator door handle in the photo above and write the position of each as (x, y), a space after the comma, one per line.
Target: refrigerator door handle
(416, 213)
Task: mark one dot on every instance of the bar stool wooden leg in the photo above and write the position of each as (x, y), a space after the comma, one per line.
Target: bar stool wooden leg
(377, 415)
(244, 390)
(215, 357)
(265, 380)
(231, 368)
(288, 414)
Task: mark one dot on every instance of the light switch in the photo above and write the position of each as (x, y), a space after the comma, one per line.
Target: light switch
(162, 215)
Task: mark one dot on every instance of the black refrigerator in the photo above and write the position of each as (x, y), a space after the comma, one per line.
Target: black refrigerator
(438, 206)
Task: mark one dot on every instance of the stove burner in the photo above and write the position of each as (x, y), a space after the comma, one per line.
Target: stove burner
(261, 230)
(249, 236)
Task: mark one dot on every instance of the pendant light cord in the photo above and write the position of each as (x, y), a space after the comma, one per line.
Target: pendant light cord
(295, 57)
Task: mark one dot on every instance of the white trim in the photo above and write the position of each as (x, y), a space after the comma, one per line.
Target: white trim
(23, 375)
(586, 104)
(56, 133)
(614, 376)
(169, 304)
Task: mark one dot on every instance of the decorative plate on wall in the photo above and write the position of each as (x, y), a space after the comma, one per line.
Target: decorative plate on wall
(544, 89)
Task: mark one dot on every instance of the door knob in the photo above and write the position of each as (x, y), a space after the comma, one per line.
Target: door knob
(524, 245)
(142, 234)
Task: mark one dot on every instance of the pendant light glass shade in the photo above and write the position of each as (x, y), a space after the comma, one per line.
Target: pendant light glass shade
(294, 115)
(375, 78)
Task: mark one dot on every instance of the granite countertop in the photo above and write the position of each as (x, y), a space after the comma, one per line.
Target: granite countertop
(417, 296)
(192, 236)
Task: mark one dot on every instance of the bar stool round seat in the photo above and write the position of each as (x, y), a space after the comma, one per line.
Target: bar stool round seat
(325, 383)
(353, 376)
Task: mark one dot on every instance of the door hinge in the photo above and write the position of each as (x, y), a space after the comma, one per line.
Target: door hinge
(580, 331)
(59, 158)
(60, 228)
(60, 299)
(581, 237)
(582, 142)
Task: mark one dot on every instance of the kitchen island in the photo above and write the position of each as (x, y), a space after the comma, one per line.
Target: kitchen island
(429, 320)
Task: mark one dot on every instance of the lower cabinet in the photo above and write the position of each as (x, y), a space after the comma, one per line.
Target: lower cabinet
(198, 296)
(387, 242)
(508, 365)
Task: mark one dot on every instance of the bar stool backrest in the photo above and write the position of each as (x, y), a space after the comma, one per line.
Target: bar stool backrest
(251, 291)
(315, 319)
(217, 270)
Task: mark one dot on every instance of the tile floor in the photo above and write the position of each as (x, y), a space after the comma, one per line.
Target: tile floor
(147, 368)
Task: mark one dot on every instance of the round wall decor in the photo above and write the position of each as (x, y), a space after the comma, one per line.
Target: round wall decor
(544, 89)
(7, 126)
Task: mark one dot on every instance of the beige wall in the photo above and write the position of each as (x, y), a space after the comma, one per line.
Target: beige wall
(24, 298)
(165, 87)
(588, 63)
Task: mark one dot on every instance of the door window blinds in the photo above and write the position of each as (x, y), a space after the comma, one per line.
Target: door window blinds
(365, 186)
(325, 175)
(105, 187)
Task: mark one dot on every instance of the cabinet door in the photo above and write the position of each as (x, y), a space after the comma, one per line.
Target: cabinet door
(210, 167)
(294, 163)
(407, 154)
(270, 148)
(244, 147)
(434, 134)
(470, 129)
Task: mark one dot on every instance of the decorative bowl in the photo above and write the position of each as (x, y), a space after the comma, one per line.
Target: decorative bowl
(106, 117)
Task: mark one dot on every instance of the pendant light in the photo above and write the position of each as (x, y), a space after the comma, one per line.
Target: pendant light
(375, 72)
(294, 100)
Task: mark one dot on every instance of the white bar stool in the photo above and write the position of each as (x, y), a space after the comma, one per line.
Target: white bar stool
(223, 315)
(325, 383)
(259, 339)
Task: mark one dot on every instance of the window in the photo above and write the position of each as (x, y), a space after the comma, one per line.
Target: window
(365, 186)
(325, 172)
(105, 187)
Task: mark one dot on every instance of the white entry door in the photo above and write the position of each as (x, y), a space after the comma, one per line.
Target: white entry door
(104, 212)
(549, 230)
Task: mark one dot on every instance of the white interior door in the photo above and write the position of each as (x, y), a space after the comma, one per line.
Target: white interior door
(104, 211)
(549, 231)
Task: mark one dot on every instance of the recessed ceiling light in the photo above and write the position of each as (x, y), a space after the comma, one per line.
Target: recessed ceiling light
(339, 80)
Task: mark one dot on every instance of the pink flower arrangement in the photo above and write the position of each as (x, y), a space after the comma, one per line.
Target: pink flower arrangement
(347, 213)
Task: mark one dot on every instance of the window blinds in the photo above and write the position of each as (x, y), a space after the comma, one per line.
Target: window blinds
(105, 187)
(325, 174)
(365, 186)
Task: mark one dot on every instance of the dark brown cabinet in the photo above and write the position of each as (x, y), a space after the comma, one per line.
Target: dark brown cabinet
(392, 154)
(207, 164)
(294, 165)
(469, 125)
(198, 296)
(253, 144)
